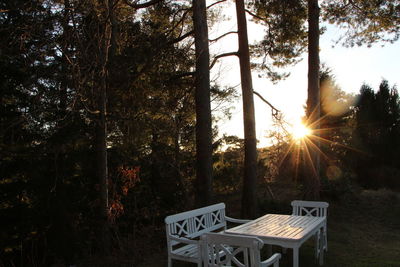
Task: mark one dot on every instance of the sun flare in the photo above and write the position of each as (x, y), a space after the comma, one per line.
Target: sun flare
(299, 131)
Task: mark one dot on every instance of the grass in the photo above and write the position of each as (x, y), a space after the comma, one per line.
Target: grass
(363, 231)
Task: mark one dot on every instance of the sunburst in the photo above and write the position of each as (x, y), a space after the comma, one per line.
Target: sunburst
(305, 141)
(300, 131)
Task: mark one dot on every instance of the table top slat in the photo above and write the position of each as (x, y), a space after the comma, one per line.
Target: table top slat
(277, 226)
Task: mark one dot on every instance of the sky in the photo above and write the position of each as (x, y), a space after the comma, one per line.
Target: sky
(351, 68)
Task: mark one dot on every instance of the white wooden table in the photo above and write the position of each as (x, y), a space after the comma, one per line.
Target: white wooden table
(288, 231)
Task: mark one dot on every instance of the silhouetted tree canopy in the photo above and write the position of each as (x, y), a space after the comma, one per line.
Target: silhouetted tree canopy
(69, 66)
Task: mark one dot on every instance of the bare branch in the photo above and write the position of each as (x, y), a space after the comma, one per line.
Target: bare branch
(275, 111)
(254, 15)
(144, 5)
(179, 22)
(180, 38)
(223, 35)
(218, 2)
(223, 55)
(182, 75)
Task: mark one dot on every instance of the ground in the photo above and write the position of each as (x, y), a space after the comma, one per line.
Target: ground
(363, 230)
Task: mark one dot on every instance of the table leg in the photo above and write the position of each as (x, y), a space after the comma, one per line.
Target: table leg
(295, 257)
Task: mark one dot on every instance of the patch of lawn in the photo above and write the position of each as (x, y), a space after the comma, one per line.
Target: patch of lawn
(363, 231)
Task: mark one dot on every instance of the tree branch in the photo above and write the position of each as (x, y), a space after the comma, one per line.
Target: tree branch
(254, 15)
(223, 35)
(182, 75)
(144, 5)
(275, 111)
(180, 38)
(180, 21)
(213, 4)
(222, 55)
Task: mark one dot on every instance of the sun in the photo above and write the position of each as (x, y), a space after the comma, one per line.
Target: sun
(300, 131)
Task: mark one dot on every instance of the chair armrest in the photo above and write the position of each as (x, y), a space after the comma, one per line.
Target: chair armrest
(272, 260)
(183, 240)
(233, 220)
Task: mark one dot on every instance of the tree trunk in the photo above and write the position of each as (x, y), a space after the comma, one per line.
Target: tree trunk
(313, 101)
(102, 165)
(203, 106)
(106, 52)
(62, 227)
(177, 162)
(249, 197)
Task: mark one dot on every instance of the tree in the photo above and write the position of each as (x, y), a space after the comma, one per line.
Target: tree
(364, 21)
(376, 136)
(336, 113)
(54, 72)
(313, 99)
(37, 111)
(106, 53)
(285, 37)
(203, 106)
(88, 77)
(249, 197)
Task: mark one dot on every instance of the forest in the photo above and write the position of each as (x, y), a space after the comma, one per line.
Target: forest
(109, 123)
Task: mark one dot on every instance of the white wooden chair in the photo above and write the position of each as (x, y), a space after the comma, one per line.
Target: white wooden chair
(184, 231)
(316, 209)
(234, 250)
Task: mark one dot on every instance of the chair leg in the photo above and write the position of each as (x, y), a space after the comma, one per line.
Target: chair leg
(321, 248)
(325, 239)
(317, 243)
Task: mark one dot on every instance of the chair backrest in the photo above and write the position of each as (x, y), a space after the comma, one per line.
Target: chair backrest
(310, 208)
(194, 223)
(232, 250)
